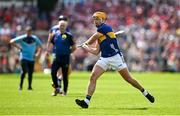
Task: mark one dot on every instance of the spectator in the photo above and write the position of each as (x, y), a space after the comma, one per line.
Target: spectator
(145, 22)
(30, 48)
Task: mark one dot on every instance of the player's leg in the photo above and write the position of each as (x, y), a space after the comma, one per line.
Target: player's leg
(30, 74)
(23, 73)
(54, 68)
(59, 76)
(59, 73)
(65, 66)
(65, 78)
(96, 73)
(126, 76)
(118, 62)
(69, 69)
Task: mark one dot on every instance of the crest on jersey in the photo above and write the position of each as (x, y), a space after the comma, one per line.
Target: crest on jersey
(64, 36)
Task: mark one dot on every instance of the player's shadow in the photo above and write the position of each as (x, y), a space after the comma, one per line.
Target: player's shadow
(125, 108)
(143, 108)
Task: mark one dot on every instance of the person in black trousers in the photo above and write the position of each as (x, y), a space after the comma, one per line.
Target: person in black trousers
(30, 47)
(65, 45)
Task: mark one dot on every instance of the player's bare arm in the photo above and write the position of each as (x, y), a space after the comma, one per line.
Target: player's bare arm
(49, 44)
(94, 50)
(12, 42)
(93, 38)
(73, 48)
(39, 50)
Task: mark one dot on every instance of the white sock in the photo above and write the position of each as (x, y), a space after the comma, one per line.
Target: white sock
(145, 92)
(87, 101)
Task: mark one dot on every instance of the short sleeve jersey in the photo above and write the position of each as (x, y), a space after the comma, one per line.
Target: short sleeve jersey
(29, 45)
(108, 42)
(53, 30)
(62, 43)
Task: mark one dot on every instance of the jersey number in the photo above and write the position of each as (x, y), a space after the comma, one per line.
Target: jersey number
(113, 47)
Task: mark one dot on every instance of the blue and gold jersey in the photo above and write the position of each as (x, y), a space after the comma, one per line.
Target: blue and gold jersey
(63, 43)
(108, 41)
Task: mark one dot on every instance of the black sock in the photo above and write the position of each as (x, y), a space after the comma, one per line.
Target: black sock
(88, 97)
(142, 90)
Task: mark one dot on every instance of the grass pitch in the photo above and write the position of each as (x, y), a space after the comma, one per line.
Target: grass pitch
(113, 95)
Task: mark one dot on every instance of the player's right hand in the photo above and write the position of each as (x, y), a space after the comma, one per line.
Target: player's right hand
(83, 45)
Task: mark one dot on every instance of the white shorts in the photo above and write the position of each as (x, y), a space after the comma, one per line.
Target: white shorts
(115, 62)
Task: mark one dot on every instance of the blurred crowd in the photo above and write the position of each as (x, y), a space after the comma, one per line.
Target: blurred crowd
(150, 42)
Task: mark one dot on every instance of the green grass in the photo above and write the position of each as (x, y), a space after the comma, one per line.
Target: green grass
(113, 95)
